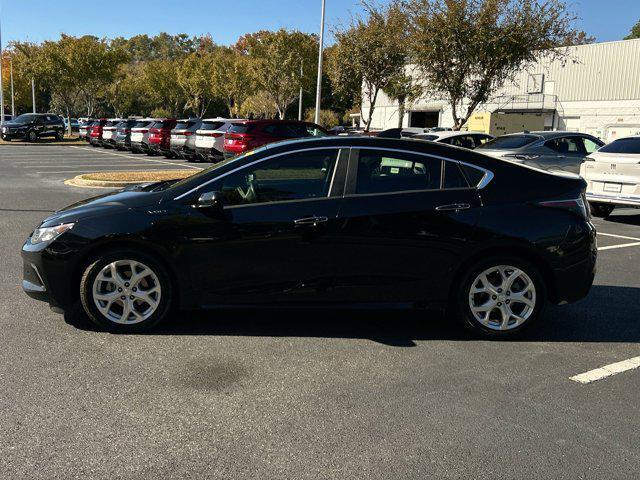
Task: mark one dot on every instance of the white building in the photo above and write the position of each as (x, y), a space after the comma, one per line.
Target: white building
(596, 90)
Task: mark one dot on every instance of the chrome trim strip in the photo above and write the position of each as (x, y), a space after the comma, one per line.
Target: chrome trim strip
(614, 199)
(39, 276)
(28, 286)
(338, 148)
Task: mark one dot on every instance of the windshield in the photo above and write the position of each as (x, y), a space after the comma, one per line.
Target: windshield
(25, 118)
(142, 124)
(508, 142)
(623, 145)
(184, 125)
(211, 125)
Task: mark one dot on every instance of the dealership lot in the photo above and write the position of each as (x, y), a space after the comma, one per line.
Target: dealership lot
(272, 394)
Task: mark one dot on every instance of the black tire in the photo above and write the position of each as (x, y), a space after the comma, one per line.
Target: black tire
(601, 210)
(93, 269)
(461, 297)
(31, 136)
(59, 136)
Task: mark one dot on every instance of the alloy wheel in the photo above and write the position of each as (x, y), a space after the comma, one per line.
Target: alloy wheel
(502, 297)
(126, 292)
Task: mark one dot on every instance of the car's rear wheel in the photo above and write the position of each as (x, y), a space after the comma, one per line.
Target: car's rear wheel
(126, 291)
(601, 210)
(500, 296)
(59, 136)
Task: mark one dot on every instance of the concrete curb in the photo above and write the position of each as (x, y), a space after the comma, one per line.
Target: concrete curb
(78, 181)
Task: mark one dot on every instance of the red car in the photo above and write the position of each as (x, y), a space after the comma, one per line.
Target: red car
(95, 132)
(160, 137)
(246, 135)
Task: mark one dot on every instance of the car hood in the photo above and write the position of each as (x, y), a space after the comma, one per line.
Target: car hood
(134, 197)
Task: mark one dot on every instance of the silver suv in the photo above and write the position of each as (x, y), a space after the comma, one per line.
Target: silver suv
(183, 138)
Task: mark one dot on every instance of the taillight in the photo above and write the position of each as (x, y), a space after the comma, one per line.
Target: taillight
(576, 205)
(188, 134)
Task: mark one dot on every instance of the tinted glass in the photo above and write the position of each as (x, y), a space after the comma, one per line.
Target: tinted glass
(464, 141)
(474, 175)
(509, 141)
(590, 146)
(184, 125)
(289, 177)
(314, 131)
(26, 118)
(211, 125)
(453, 177)
(623, 145)
(566, 145)
(111, 123)
(381, 171)
(143, 124)
(162, 124)
(240, 128)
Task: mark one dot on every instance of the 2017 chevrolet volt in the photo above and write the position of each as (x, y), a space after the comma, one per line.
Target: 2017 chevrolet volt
(338, 221)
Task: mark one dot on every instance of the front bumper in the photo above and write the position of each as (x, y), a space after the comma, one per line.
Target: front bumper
(631, 201)
(11, 135)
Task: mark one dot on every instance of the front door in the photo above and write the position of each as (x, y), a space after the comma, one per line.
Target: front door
(406, 221)
(274, 240)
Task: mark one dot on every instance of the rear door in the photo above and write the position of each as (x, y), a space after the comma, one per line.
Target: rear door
(406, 220)
(567, 154)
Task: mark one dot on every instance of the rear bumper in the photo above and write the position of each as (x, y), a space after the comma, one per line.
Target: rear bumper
(632, 201)
(573, 280)
(210, 153)
(139, 146)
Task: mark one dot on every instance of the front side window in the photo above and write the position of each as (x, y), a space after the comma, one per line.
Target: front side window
(508, 142)
(297, 176)
(566, 145)
(211, 126)
(382, 171)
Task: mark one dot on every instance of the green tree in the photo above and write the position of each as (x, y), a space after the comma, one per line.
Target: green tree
(403, 88)
(194, 75)
(277, 58)
(259, 105)
(369, 52)
(634, 33)
(161, 88)
(232, 80)
(465, 50)
(328, 118)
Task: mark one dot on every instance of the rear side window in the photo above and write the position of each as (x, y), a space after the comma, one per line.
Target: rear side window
(382, 171)
(623, 145)
(463, 141)
(510, 141)
(474, 175)
(287, 130)
(162, 124)
(240, 128)
(453, 177)
(142, 124)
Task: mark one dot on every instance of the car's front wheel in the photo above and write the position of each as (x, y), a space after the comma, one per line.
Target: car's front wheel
(601, 210)
(126, 291)
(500, 296)
(32, 136)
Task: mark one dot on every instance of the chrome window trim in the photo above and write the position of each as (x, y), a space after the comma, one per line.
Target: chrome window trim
(255, 162)
(488, 174)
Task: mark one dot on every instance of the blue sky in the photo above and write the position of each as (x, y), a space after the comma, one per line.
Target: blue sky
(225, 20)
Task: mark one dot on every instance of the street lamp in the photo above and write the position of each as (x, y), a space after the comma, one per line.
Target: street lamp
(319, 83)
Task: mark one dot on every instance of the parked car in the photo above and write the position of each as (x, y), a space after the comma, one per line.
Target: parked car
(183, 138)
(95, 134)
(75, 125)
(140, 135)
(83, 129)
(109, 131)
(160, 137)
(337, 221)
(563, 151)
(122, 135)
(209, 139)
(613, 176)
(246, 135)
(32, 126)
(470, 140)
(404, 132)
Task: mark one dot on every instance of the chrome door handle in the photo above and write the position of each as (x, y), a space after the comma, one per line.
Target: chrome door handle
(310, 220)
(453, 206)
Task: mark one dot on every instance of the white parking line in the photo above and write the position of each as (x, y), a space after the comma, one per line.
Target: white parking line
(137, 158)
(607, 371)
(158, 169)
(99, 165)
(622, 245)
(619, 236)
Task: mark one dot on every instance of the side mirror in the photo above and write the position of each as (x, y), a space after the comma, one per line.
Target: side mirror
(211, 201)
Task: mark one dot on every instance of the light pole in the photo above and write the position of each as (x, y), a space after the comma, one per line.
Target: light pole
(13, 102)
(33, 94)
(301, 92)
(1, 87)
(319, 83)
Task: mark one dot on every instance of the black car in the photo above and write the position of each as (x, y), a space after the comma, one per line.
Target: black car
(122, 135)
(331, 221)
(32, 126)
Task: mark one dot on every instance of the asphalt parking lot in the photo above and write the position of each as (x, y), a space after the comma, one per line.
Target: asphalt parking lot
(267, 394)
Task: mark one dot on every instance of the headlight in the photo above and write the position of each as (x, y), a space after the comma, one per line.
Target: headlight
(49, 233)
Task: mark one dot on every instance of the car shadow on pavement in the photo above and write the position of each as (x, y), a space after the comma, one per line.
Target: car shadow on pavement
(608, 314)
(624, 219)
